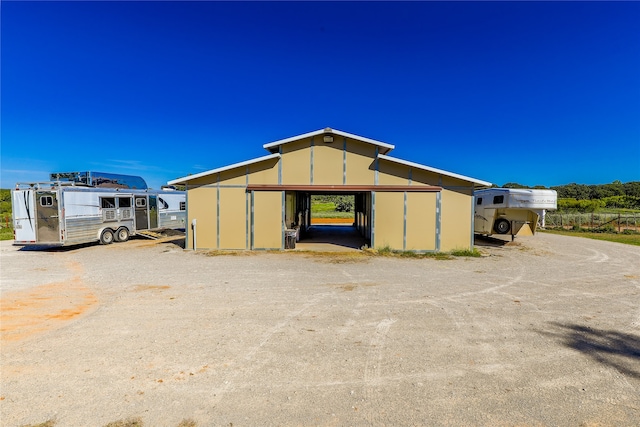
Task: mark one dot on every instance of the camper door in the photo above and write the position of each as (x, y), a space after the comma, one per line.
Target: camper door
(48, 217)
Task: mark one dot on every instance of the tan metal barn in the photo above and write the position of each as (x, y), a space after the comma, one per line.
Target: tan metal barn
(398, 204)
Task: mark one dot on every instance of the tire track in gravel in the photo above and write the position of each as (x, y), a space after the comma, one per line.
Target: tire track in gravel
(372, 368)
(249, 357)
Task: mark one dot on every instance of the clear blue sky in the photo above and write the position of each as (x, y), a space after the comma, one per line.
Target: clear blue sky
(540, 93)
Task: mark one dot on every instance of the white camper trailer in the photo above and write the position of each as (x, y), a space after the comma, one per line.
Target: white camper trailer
(62, 213)
(511, 210)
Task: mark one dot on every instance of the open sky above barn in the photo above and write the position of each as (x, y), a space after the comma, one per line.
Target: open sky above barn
(540, 93)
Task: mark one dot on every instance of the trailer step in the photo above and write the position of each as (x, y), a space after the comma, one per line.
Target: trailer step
(149, 234)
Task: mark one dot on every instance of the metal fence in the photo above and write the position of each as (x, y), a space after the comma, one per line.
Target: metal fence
(595, 221)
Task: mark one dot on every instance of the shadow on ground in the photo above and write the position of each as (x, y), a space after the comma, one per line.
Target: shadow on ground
(618, 350)
(318, 237)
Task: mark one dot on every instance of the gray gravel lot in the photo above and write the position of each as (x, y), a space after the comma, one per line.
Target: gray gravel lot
(543, 332)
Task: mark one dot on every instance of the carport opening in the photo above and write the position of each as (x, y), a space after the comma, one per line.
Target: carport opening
(329, 220)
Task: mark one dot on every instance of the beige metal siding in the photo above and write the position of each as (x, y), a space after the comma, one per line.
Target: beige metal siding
(267, 219)
(389, 220)
(421, 221)
(203, 208)
(264, 172)
(422, 177)
(296, 162)
(233, 218)
(392, 173)
(328, 160)
(360, 163)
(456, 220)
(237, 176)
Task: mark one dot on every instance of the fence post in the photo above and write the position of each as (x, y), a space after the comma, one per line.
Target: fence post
(618, 222)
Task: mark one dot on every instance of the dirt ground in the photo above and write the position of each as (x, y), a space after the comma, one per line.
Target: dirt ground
(544, 331)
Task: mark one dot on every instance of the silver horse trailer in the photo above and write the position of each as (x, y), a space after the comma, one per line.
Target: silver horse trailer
(62, 213)
(511, 210)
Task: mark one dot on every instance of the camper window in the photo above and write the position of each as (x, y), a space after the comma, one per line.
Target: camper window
(141, 202)
(498, 200)
(108, 202)
(479, 201)
(46, 201)
(124, 202)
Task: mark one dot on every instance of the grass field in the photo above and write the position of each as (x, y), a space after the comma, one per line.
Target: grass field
(628, 239)
(327, 210)
(6, 233)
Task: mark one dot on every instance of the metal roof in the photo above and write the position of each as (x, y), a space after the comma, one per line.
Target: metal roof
(273, 145)
(434, 170)
(222, 169)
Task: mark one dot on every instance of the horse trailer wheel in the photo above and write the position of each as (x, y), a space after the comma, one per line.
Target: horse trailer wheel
(106, 238)
(502, 226)
(122, 235)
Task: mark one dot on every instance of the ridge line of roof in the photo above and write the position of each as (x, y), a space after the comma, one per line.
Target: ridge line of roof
(334, 131)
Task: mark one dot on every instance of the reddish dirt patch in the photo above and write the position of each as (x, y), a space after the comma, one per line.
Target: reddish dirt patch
(331, 220)
(43, 308)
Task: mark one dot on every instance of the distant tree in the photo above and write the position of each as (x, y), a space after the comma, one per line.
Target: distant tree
(573, 191)
(514, 185)
(632, 188)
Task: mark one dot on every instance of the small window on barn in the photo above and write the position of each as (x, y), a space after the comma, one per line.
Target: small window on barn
(108, 202)
(183, 206)
(479, 201)
(46, 201)
(498, 200)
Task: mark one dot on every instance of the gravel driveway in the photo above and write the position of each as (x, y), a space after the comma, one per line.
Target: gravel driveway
(543, 332)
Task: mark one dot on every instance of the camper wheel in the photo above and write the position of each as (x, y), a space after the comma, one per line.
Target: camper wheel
(502, 226)
(106, 238)
(122, 235)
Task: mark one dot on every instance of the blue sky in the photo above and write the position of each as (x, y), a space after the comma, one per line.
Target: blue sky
(540, 93)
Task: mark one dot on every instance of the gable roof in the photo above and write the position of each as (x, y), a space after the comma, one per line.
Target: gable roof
(274, 146)
(434, 170)
(188, 178)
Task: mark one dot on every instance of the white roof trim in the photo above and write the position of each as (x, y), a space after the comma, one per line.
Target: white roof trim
(270, 145)
(434, 170)
(222, 169)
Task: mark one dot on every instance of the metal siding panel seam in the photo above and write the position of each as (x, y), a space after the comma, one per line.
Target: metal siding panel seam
(279, 167)
(186, 209)
(438, 219)
(473, 216)
(253, 227)
(404, 231)
(344, 161)
(375, 175)
(373, 218)
(218, 214)
(246, 213)
(311, 165)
